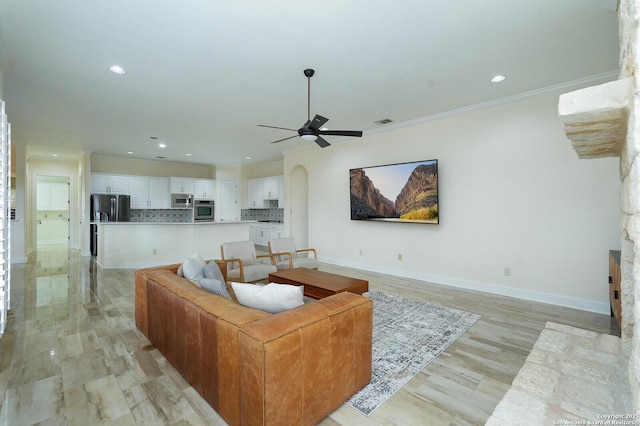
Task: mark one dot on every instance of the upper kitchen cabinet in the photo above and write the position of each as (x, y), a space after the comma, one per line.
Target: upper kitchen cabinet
(182, 185)
(204, 189)
(262, 190)
(270, 188)
(254, 194)
(52, 196)
(109, 184)
(148, 192)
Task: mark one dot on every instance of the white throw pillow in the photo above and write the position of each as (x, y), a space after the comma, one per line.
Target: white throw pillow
(272, 298)
(193, 268)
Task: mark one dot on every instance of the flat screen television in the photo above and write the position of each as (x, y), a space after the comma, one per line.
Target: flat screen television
(404, 192)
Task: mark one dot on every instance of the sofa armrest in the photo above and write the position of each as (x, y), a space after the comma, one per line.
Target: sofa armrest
(310, 360)
(140, 275)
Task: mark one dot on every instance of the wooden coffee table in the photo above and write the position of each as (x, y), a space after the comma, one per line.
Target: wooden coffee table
(318, 284)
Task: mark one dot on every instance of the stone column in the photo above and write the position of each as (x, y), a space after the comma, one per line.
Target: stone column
(604, 121)
(628, 18)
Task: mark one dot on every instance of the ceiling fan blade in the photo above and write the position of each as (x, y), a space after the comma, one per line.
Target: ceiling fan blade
(354, 133)
(317, 122)
(306, 125)
(322, 143)
(285, 139)
(275, 127)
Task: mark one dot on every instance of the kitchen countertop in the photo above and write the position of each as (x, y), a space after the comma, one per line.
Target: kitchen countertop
(174, 223)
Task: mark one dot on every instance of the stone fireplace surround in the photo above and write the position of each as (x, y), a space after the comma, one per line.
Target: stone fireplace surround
(604, 121)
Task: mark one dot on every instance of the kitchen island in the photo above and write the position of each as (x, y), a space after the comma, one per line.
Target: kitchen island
(134, 245)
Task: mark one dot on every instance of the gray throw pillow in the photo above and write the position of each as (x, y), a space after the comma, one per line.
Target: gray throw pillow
(214, 286)
(211, 270)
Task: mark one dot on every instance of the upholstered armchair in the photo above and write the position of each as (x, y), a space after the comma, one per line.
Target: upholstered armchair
(242, 262)
(284, 255)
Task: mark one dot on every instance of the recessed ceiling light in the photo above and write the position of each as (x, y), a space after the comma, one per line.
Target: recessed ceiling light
(117, 69)
(498, 78)
(54, 155)
(248, 158)
(129, 152)
(161, 145)
(188, 155)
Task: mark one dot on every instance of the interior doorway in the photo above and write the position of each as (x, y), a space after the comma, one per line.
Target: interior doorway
(52, 224)
(52, 210)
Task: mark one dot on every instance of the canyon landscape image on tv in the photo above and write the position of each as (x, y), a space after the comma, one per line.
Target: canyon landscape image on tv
(413, 187)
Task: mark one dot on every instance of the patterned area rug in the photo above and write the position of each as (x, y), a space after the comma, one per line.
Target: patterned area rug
(407, 335)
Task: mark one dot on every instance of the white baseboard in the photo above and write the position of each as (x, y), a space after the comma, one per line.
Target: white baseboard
(518, 293)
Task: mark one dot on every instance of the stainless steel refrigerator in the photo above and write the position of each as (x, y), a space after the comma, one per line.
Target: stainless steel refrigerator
(107, 208)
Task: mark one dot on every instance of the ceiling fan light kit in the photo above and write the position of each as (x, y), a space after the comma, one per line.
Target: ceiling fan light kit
(312, 129)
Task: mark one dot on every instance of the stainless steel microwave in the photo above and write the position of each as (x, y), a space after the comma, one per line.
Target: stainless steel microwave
(181, 200)
(203, 210)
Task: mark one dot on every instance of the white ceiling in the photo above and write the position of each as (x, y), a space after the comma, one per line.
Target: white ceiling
(201, 74)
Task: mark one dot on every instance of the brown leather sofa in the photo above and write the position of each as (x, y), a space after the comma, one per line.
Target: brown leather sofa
(254, 368)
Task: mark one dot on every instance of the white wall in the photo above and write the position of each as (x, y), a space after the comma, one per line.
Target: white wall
(137, 166)
(512, 194)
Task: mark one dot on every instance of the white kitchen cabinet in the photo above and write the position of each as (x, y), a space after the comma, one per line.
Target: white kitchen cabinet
(42, 196)
(148, 192)
(59, 196)
(182, 185)
(261, 233)
(270, 188)
(159, 195)
(254, 195)
(52, 196)
(204, 189)
(102, 183)
(139, 191)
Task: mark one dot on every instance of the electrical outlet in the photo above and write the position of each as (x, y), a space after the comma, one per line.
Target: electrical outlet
(155, 251)
(400, 257)
(361, 252)
(507, 271)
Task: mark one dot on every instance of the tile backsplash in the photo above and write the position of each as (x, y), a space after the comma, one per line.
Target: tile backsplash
(162, 215)
(273, 214)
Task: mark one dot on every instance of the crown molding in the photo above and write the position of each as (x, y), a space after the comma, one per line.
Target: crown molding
(566, 86)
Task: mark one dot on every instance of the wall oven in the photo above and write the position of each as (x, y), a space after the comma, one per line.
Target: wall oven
(181, 200)
(203, 210)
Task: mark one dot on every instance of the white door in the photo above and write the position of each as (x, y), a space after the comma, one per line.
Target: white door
(228, 200)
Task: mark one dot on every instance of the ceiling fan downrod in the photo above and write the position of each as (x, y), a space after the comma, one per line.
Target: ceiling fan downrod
(309, 73)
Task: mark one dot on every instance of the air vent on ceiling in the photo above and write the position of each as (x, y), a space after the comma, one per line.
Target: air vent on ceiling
(383, 121)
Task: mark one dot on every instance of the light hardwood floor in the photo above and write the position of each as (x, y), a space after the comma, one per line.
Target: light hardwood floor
(71, 353)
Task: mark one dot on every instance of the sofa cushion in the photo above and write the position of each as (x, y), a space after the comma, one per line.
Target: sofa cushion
(193, 267)
(214, 286)
(272, 298)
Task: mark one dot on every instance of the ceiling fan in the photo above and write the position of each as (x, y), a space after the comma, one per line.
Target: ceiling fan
(312, 130)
